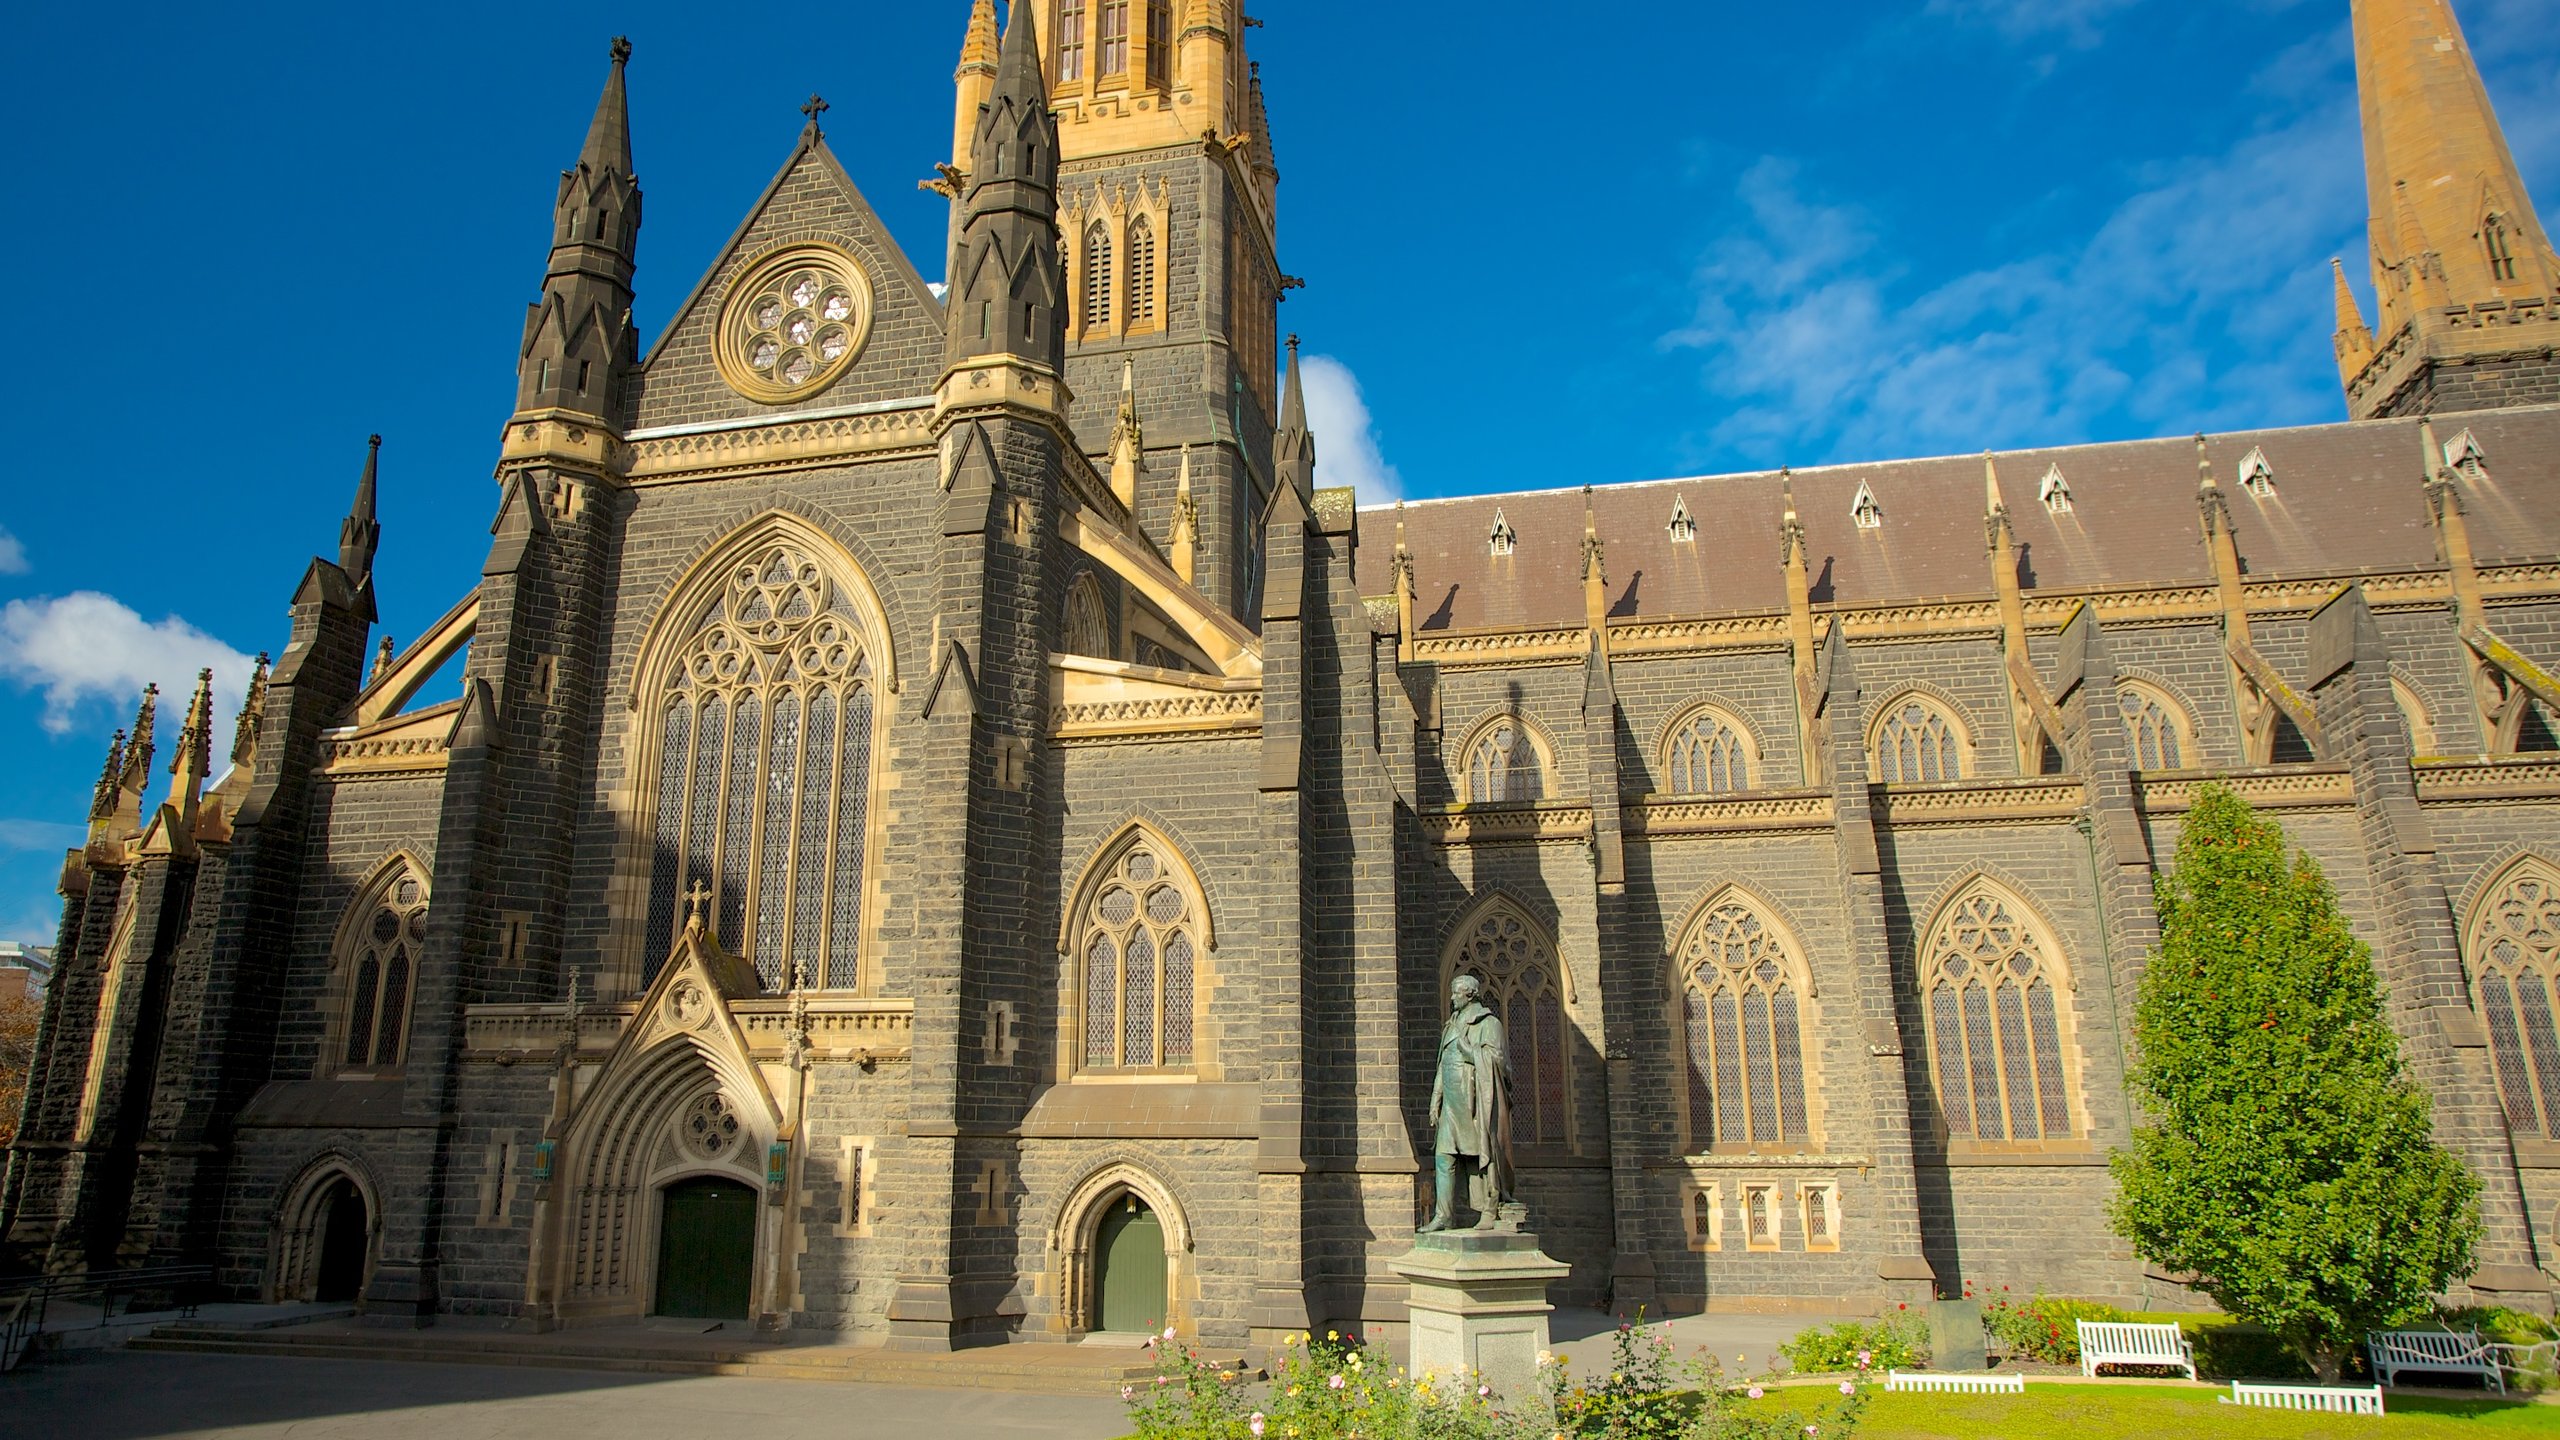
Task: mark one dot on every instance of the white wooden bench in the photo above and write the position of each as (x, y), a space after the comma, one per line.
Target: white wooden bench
(2329, 1399)
(2461, 1352)
(1898, 1383)
(2133, 1342)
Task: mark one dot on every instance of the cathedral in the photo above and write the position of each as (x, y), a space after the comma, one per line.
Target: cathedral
(928, 824)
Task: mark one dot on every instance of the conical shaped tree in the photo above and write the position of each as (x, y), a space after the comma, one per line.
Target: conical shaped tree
(2290, 1164)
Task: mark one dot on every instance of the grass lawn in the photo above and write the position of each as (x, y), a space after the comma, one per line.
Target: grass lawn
(2107, 1412)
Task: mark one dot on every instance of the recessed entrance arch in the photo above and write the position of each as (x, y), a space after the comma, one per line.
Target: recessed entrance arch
(706, 1248)
(324, 1233)
(345, 1229)
(1128, 1268)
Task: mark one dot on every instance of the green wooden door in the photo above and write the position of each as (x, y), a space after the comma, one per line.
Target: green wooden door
(706, 1249)
(1128, 1268)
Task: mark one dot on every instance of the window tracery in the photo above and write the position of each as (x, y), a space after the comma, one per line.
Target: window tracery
(1138, 938)
(2153, 730)
(1515, 963)
(1088, 630)
(1996, 1027)
(1503, 765)
(1917, 745)
(379, 954)
(1706, 755)
(2515, 953)
(1743, 1032)
(764, 773)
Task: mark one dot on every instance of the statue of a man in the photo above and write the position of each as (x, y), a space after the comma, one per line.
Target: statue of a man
(1470, 1110)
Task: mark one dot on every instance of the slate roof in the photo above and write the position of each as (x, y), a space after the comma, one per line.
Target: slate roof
(2348, 499)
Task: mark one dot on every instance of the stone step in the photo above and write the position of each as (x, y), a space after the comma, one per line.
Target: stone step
(1047, 1370)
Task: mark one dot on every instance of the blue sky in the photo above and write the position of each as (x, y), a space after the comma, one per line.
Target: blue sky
(1631, 242)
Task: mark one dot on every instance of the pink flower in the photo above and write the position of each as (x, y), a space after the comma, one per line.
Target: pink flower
(1160, 1380)
(1334, 1384)
(1126, 1393)
(1866, 1357)
(1483, 1390)
(1755, 1392)
(1168, 1332)
(1255, 1424)
(1848, 1389)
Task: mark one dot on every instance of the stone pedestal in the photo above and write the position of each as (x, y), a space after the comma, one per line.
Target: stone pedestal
(1955, 1336)
(1479, 1302)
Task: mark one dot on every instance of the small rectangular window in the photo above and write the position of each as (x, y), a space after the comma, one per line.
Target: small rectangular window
(1115, 37)
(1821, 1217)
(1705, 1217)
(1159, 43)
(1760, 1217)
(1070, 40)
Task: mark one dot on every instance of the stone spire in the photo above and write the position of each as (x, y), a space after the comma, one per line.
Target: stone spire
(1185, 556)
(975, 80)
(194, 761)
(102, 800)
(253, 712)
(360, 534)
(138, 750)
(1128, 440)
(1293, 448)
(1595, 571)
(2459, 254)
(2354, 337)
(578, 337)
(1007, 277)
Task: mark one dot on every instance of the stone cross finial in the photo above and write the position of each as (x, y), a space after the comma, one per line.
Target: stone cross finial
(694, 899)
(621, 48)
(816, 107)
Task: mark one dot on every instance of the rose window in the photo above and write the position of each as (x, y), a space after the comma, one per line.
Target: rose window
(794, 322)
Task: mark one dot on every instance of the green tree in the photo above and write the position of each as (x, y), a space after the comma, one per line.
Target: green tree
(2291, 1164)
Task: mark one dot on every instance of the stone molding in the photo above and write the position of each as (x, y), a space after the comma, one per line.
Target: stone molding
(841, 1027)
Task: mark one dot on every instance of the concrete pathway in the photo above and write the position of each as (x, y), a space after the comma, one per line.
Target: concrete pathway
(1588, 1338)
(129, 1395)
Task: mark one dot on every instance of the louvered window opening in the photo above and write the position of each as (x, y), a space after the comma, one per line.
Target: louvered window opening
(1517, 967)
(1744, 1032)
(1140, 943)
(1995, 1027)
(1502, 766)
(1707, 759)
(1097, 276)
(383, 959)
(1917, 746)
(1142, 271)
(2516, 949)
(2150, 732)
(764, 776)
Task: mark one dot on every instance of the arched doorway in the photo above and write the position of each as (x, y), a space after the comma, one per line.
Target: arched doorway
(706, 1248)
(345, 1233)
(1129, 1268)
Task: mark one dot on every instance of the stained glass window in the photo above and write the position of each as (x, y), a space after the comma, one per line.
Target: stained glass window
(380, 957)
(764, 774)
(1745, 1041)
(2515, 951)
(2151, 730)
(1705, 757)
(1516, 964)
(1502, 765)
(1141, 930)
(1996, 1023)
(1917, 745)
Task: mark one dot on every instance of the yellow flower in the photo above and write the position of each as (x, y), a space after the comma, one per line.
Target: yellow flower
(1333, 1334)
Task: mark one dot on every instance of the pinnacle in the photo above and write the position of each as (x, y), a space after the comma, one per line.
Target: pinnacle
(360, 534)
(1018, 74)
(608, 144)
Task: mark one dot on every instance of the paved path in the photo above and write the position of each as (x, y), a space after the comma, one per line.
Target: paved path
(119, 1395)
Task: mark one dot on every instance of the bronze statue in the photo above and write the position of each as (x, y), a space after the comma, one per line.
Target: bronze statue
(1470, 1111)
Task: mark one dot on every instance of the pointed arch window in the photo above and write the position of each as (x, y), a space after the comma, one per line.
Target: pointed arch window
(1503, 764)
(1097, 277)
(2502, 255)
(1114, 37)
(1142, 272)
(1514, 960)
(764, 773)
(378, 948)
(1706, 755)
(2154, 730)
(1088, 629)
(1996, 1022)
(1138, 936)
(2420, 730)
(1071, 20)
(1742, 1032)
(1917, 745)
(2515, 953)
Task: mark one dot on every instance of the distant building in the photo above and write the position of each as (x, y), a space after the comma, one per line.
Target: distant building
(23, 970)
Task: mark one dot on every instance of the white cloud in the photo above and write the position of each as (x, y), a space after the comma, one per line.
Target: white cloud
(90, 647)
(13, 555)
(2074, 21)
(1346, 442)
(1832, 352)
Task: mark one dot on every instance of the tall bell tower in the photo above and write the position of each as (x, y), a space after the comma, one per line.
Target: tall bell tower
(2468, 283)
(1167, 195)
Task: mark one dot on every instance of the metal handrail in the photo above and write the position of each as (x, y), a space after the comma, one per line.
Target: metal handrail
(24, 1300)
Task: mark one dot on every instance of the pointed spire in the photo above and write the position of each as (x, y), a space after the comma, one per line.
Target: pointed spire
(608, 147)
(2350, 309)
(360, 534)
(975, 80)
(253, 712)
(1018, 58)
(1128, 439)
(1293, 449)
(1186, 523)
(102, 800)
(194, 760)
(138, 750)
(1007, 279)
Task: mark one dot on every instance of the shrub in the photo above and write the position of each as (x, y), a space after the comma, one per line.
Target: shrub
(1326, 1389)
(1899, 1341)
(2044, 1329)
(1650, 1396)
(2291, 1165)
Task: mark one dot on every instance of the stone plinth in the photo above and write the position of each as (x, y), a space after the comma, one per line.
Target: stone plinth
(1479, 1303)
